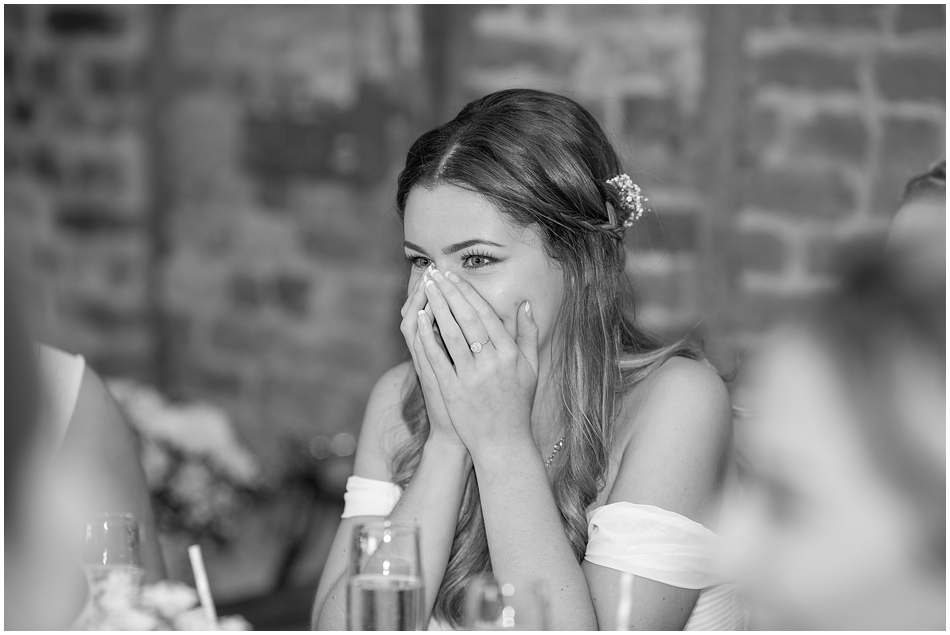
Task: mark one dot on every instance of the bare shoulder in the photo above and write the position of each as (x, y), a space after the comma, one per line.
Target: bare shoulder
(681, 392)
(675, 439)
(383, 426)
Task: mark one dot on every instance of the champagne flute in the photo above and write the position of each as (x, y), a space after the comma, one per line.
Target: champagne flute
(111, 543)
(384, 588)
(516, 604)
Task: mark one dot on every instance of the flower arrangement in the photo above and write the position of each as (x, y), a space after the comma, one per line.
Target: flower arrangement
(117, 603)
(198, 472)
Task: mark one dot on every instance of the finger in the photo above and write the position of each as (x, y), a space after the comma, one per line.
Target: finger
(463, 311)
(527, 335)
(412, 298)
(452, 335)
(494, 328)
(437, 359)
(423, 367)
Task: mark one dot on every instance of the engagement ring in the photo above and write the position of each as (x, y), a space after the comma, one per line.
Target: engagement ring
(477, 346)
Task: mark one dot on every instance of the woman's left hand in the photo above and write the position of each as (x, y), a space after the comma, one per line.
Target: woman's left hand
(488, 394)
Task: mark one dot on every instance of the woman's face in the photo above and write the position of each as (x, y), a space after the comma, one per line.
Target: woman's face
(822, 540)
(462, 232)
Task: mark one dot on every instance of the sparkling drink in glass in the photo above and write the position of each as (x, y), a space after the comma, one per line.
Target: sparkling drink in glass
(111, 545)
(385, 591)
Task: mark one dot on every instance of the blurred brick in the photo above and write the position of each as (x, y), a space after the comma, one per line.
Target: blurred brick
(84, 20)
(292, 293)
(246, 292)
(763, 130)
(800, 192)
(14, 17)
(235, 335)
(112, 363)
(506, 52)
(91, 173)
(274, 193)
(331, 246)
(46, 164)
(757, 311)
(207, 380)
(836, 16)
(47, 72)
(108, 318)
(762, 251)
(652, 288)
(834, 135)
(22, 112)
(911, 142)
(663, 231)
(821, 253)
(809, 70)
(12, 159)
(649, 119)
(9, 66)
(111, 77)
(908, 147)
(921, 17)
(911, 76)
(767, 15)
(92, 219)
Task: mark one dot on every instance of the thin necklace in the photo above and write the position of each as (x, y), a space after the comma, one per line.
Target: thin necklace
(557, 448)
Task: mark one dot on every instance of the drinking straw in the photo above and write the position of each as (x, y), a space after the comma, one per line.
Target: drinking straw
(204, 589)
(625, 602)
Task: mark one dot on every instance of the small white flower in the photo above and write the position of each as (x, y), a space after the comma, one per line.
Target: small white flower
(169, 598)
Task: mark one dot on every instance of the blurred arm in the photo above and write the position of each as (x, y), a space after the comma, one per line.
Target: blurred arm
(101, 465)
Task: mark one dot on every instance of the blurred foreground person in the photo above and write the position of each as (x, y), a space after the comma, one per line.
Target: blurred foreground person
(845, 524)
(918, 235)
(44, 588)
(97, 451)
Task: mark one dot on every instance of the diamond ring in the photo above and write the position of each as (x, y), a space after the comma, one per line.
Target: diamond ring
(477, 346)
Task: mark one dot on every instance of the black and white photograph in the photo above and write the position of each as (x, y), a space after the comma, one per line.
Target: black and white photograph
(545, 317)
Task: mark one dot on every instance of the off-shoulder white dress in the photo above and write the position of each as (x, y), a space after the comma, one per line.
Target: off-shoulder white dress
(646, 541)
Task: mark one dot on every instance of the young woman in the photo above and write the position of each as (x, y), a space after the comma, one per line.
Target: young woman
(537, 432)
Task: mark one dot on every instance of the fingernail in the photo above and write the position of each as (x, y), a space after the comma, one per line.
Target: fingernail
(430, 287)
(422, 315)
(437, 274)
(451, 276)
(527, 308)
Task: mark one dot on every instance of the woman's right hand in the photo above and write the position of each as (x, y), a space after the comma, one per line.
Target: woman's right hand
(440, 424)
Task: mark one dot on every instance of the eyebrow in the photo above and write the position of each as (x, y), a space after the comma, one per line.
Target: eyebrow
(451, 249)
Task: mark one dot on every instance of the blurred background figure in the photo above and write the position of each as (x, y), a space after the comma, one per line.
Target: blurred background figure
(202, 198)
(96, 451)
(918, 235)
(44, 587)
(844, 527)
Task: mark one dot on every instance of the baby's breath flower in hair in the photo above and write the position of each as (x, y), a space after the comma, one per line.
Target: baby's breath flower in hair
(629, 196)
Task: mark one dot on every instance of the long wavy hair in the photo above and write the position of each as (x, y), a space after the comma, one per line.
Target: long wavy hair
(543, 161)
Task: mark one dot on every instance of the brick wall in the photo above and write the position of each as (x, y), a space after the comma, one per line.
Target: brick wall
(284, 276)
(847, 103)
(76, 193)
(203, 194)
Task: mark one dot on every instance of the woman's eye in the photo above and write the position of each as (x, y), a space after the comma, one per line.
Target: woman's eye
(477, 261)
(418, 262)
